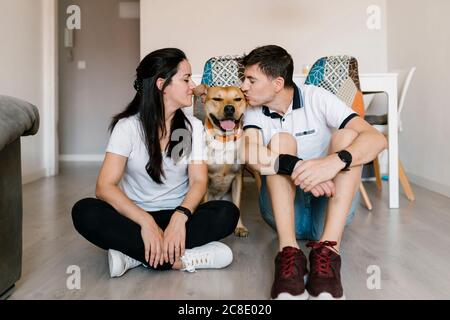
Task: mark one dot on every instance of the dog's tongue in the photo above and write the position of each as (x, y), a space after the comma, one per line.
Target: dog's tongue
(227, 125)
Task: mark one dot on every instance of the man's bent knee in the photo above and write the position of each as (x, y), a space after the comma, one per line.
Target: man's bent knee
(283, 143)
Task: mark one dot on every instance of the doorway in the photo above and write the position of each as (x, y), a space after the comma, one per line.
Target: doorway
(96, 73)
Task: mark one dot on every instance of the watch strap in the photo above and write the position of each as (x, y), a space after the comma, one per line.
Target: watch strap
(345, 157)
(185, 211)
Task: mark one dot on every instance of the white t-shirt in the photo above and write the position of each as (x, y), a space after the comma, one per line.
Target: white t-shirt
(127, 140)
(311, 118)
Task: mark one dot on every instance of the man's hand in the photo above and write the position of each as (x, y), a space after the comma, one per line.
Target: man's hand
(310, 174)
(324, 189)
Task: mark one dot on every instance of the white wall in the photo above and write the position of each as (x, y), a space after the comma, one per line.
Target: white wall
(21, 71)
(307, 29)
(418, 35)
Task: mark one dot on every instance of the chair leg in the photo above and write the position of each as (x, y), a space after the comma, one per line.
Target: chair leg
(376, 168)
(366, 199)
(405, 183)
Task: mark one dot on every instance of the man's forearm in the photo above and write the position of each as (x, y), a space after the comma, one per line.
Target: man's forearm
(366, 147)
(260, 158)
(268, 162)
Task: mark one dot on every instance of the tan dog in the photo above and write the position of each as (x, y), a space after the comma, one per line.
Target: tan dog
(224, 113)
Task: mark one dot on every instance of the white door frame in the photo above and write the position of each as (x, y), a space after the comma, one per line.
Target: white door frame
(49, 118)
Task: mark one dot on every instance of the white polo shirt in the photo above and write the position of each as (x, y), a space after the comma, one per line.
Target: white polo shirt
(312, 117)
(127, 140)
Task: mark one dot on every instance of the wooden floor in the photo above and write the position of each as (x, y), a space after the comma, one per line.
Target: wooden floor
(410, 246)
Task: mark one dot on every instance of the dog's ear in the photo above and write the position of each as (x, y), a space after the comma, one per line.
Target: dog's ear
(201, 91)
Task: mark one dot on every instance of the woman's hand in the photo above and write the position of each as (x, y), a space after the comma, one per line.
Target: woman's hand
(153, 238)
(175, 238)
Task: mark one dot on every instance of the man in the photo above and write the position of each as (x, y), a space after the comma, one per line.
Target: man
(310, 147)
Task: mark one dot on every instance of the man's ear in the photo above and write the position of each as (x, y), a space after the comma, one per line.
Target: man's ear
(279, 84)
(160, 83)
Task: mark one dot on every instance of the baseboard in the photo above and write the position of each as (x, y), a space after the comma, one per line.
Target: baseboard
(33, 176)
(368, 179)
(81, 157)
(429, 184)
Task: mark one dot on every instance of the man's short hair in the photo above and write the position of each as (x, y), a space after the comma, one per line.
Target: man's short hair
(274, 62)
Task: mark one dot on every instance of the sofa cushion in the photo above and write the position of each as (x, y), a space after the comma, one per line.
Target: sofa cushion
(17, 118)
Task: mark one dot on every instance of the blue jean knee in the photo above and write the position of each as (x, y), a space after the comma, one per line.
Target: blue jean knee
(309, 211)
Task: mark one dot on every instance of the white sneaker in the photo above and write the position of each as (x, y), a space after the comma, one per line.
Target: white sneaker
(119, 263)
(213, 255)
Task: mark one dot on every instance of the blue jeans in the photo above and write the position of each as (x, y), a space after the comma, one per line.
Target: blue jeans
(309, 212)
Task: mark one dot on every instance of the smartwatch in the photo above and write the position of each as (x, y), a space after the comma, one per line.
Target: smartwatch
(185, 211)
(345, 157)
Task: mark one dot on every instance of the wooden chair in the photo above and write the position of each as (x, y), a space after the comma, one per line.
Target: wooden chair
(340, 76)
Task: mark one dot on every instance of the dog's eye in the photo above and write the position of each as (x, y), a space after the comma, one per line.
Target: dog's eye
(238, 99)
(217, 99)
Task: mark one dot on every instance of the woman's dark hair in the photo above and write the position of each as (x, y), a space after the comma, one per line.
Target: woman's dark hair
(274, 62)
(148, 104)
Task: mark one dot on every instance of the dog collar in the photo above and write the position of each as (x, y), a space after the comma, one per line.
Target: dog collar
(222, 137)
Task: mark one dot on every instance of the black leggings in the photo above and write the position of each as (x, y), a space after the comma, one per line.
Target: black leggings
(103, 226)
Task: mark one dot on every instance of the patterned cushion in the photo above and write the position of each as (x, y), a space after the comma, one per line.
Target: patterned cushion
(339, 75)
(224, 71)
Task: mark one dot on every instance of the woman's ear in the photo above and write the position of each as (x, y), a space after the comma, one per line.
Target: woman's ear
(160, 83)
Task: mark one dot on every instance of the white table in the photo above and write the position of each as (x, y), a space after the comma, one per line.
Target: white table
(376, 83)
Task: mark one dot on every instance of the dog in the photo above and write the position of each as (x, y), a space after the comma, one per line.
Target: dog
(224, 109)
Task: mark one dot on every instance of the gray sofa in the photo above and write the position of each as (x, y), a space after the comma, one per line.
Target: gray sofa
(17, 118)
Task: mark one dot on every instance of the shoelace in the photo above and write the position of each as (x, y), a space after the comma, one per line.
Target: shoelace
(322, 261)
(287, 262)
(192, 260)
(130, 262)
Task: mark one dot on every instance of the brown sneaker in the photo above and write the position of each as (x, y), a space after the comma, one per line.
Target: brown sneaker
(324, 281)
(290, 273)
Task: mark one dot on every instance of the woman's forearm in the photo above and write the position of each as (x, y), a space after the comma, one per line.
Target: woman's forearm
(115, 197)
(195, 195)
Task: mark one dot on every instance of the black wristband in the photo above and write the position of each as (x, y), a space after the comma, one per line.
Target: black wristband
(286, 163)
(184, 210)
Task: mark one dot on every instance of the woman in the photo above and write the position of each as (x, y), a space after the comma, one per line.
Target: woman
(149, 189)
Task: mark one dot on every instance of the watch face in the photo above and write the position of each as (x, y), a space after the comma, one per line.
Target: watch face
(346, 157)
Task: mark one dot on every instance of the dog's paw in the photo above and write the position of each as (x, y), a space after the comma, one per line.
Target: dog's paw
(241, 232)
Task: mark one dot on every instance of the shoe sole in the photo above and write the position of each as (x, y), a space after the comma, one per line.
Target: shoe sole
(288, 296)
(326, 296)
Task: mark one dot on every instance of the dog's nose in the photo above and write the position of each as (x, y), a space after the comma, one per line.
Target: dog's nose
(229, 110)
